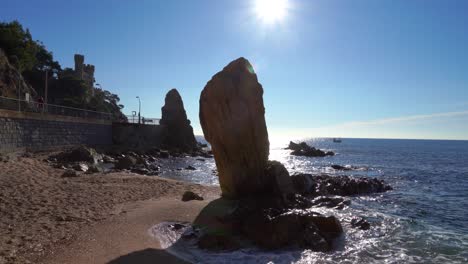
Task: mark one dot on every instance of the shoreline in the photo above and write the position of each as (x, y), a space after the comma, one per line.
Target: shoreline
(125, 238)
(41, 212)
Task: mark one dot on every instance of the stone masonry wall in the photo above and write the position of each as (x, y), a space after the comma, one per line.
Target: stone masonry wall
(35, 133)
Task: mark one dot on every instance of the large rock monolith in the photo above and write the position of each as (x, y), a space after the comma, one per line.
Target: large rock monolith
(179, 131)
(232, 117)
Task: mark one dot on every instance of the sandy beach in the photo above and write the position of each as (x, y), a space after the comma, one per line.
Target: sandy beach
(45, 218)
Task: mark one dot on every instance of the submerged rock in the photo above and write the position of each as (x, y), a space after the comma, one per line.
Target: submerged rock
(174, 118)
(302, 149)
(232, 117)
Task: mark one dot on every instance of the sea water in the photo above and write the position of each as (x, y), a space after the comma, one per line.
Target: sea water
(423, 220)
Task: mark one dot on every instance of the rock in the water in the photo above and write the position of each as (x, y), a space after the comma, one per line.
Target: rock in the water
(190, 168)
(360, 223)
(317, 185)
(339, 167)
(179, 131)
(140, 170)
(331, 202)
(125, 163)
(302, 149)
(189, 196)
(218, 242)
(70, 174)
(280, 183)
(273, 229)
(232, 116)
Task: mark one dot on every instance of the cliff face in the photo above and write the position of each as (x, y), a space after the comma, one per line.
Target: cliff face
(11, 79)
(179, 131)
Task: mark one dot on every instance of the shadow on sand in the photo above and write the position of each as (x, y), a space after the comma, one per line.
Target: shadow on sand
(148, 256)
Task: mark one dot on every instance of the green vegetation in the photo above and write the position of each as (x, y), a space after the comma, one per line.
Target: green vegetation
(32, 59)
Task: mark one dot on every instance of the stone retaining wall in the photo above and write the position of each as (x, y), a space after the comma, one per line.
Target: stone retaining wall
(38, 131)
(138, 136)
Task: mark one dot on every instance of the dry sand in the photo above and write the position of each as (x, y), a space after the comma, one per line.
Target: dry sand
(89, 219)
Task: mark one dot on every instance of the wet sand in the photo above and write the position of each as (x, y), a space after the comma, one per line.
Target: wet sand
(88, 219)
(125, 238)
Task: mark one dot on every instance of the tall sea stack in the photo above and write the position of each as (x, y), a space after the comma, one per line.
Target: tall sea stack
(232, 117)
(179, 131)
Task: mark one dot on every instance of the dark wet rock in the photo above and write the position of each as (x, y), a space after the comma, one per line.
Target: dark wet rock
(189, 196)
(190, 168)
(201, 159)
(177, 226)
(154, 167)
(232, 116)
(179, 131)
(164, 154)
(339, 167)
(81, 167)
(321, 185)
(125, 163)
(108, 159)
(218, 242)
(331, 202)
(276, 229)
(302, 149)
(94, 169)
(140, 170)
(279, 181)
(361, 223)
(70, 174)
(79, 154)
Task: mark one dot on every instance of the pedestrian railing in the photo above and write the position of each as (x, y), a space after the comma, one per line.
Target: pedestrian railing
(133, 119)
(42, 108)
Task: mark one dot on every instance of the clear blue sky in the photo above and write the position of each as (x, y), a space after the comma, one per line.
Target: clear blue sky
(361, 68)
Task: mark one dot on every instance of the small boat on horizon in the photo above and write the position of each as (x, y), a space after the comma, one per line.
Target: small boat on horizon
(337, 140)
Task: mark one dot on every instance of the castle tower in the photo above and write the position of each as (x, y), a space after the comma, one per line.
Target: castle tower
(79, 65)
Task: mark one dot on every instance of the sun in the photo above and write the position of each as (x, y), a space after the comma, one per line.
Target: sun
(271, 11)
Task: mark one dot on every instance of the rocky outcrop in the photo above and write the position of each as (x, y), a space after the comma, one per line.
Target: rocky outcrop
(302, 149)
(321, 185)
(179, 131)
(267, 211)
(232, 117)
(11, 79)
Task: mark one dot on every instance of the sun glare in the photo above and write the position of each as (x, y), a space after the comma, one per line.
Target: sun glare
(271, 11)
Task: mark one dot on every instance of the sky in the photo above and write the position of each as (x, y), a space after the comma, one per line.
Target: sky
(333, 68)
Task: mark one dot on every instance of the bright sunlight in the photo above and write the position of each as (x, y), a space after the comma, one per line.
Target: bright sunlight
(271, 11)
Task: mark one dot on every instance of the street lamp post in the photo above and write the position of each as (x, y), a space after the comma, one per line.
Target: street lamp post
(139, 109)
(46, 90)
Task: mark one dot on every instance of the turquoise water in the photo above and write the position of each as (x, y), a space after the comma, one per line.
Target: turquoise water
(423, 220)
